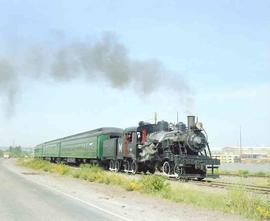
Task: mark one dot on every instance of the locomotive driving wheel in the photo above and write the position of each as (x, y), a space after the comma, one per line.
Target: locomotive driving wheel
(179, 171)
(117, 166)
(112, 165)
(166, 168)
(126, 166)
(134, 167)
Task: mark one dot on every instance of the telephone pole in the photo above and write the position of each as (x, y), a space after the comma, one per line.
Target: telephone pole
(240, 143)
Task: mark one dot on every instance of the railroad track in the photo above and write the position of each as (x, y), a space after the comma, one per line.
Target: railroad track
(225, 185)
(218, 184)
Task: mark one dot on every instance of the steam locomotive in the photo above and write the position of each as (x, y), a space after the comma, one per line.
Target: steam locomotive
(178, 150)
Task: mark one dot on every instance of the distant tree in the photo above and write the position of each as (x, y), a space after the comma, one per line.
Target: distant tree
(1, 153)
(15, 151)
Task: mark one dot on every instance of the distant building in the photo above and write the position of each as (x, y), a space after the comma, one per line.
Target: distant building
(234, 154)
(227, 157)
(6, 156)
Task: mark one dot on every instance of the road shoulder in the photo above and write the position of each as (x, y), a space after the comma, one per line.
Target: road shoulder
(129, 205)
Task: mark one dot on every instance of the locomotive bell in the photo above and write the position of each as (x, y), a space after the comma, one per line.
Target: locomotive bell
(199, 125)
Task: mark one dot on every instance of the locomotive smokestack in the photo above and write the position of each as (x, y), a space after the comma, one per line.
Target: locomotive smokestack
(190, 122)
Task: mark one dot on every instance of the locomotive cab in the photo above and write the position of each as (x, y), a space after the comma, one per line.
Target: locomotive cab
(133, 139)
(130, 142)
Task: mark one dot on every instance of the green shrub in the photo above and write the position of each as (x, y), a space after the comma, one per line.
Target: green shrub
(260, 174)
(83, 175)
(36, 164)
(117, 180)
(240, 202)
(186, 194)
(61, 169)
(243, 173)
(226, 172)
(132, 186)
(152, 183)
(93, 174)
(221, 172)
(76, 174)
(263, 213)
(92, 168)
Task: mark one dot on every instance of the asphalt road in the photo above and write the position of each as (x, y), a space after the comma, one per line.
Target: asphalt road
(20, 199)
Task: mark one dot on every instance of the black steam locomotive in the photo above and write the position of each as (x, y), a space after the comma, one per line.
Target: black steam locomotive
(175, 149)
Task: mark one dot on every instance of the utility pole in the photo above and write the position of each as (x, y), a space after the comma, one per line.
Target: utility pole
(240, 143)
(177, 117)
(155, 117)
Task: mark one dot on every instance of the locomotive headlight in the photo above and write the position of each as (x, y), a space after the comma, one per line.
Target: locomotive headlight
(197, 140)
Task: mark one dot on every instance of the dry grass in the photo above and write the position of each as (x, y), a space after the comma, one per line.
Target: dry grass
(243, 173)
(235, 201)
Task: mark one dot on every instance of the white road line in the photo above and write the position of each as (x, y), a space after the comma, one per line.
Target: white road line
(78, 199)
(85, 202)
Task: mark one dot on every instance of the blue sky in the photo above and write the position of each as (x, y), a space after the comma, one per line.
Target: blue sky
(221, 48)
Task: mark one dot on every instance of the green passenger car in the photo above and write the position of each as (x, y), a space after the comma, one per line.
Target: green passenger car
(82, 147)
(38, 151)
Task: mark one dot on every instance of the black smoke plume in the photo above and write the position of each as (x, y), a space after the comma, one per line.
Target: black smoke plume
(104, 59)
